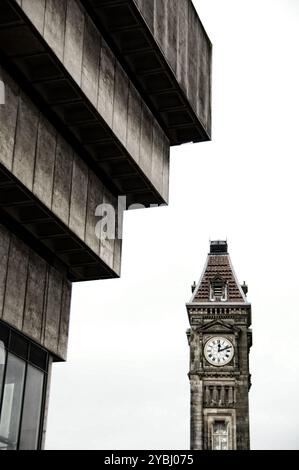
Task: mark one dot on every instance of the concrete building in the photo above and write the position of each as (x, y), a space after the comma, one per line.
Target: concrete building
(95, 94)
(219, 339)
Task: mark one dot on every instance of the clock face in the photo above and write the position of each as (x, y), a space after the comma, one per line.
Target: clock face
(218, 351)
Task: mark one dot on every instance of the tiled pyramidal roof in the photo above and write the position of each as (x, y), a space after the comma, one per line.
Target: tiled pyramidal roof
(218, 265)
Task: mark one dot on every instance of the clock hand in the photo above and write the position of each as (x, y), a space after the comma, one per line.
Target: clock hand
(223, 349)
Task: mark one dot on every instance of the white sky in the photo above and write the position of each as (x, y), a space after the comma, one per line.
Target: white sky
(125, 384)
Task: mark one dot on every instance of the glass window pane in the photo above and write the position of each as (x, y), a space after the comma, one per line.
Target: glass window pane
(12, 402)
(2, 366)
(32, 409)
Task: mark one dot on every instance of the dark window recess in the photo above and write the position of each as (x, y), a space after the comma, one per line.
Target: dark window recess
(18, 345)
(38, 357)
(4, 334)
(218, 287)
(23, 347)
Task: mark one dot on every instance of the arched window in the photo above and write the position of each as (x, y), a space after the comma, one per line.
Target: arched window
(220, 435)
(218, 289)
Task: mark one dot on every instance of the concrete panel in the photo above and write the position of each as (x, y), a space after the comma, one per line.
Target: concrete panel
(25, 144)
(16, 283)
(53, 308)
(166, 164)
(203, 100)
(117, 256)
(182, 53)
(95, 198)
(146, 141)
(106, 83)
(134, 123)
(73, 49)
(158, 157)
(78, 197)
(35, 10)
(120, 107)
(148, 10)
(45, 161)
(91, 61)
(8, 119)
(34, 301)
(4, 250)
(118, 242)
(160, 23)
(106, 244)
(64, 319)
(62, 180)
(192, 57)
(172, 34)
(54, 31)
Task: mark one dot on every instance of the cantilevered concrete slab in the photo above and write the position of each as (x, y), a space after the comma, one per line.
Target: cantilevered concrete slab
(167, 53)
(50, 194)
(69, 71)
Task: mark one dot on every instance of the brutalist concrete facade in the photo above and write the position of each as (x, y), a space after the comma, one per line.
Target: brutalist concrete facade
(220, 338)
(96, 92)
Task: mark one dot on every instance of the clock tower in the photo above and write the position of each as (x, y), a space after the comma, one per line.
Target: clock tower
(219, 339)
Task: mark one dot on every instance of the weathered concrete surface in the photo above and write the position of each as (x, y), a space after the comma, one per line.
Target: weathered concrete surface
(167, 54)
(33, 150)
(174, 25)
(80, 47)
(180, 34)
(34, 297)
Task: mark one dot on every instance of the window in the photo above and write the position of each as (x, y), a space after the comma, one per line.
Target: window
(218, 290)
(32, 409)
(23, 377)
(12, 403)
(220, 436)
(2, 365)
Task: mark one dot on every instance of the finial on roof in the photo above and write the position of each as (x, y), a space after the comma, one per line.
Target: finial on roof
(244, 288)
(193, 287)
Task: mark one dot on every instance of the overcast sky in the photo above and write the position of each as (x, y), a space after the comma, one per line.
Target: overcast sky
(125, 384)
